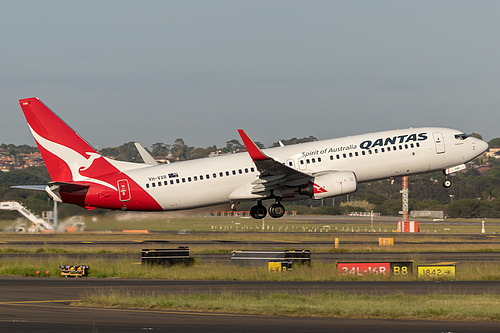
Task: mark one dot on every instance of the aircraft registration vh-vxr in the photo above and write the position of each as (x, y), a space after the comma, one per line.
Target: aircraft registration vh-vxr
(320, 169)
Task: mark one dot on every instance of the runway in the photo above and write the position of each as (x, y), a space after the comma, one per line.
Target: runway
(46, 304)
(43, 305)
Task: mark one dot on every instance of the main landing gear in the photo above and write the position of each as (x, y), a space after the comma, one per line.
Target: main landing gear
(276, 210)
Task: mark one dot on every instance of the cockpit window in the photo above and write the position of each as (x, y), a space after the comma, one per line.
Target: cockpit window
(461, 136)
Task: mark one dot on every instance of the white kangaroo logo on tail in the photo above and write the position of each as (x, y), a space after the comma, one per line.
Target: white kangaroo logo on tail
(89, 161)
(74, 160)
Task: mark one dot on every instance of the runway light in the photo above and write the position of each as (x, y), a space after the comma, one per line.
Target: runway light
(38, 273)
(47, 273)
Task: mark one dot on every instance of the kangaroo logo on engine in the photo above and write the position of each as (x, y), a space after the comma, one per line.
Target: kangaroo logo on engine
(367, 144)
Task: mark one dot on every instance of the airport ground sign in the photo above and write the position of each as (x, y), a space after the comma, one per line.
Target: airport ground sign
(374, 268)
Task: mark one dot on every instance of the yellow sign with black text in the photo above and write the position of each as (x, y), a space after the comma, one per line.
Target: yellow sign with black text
(279, 266)
(436, 271)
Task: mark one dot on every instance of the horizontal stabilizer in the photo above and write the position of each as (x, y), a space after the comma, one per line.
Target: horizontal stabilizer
(53, 186)
(30, 187)
(68, 187)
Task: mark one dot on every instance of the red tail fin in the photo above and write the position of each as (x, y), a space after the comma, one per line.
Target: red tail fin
(68, 157)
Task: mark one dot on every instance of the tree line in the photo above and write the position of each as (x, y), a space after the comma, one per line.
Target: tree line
(472, 194)
(180, 151)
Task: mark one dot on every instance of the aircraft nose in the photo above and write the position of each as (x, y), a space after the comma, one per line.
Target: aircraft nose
(481, 145)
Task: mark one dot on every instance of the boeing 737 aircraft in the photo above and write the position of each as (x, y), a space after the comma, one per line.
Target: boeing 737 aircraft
(320, 169)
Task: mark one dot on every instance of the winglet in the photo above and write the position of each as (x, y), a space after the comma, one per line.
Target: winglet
(146, 156)
(255, 153)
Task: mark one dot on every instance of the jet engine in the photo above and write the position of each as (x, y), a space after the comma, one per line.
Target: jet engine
(330, 184)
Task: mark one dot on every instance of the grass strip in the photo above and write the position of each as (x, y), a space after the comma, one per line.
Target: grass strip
(339, 305)
(102, 268)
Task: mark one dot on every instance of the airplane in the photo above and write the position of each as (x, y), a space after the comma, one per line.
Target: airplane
(320, 169)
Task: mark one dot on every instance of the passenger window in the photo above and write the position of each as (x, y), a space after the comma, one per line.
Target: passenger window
(252, 169)
(147, 185)
(331, 157)
(183, 180)
(382, 150)
(195, 178)
(189, 179)
(338, 157)
(319, 159)
(214, 175)
(363, 153)
(177, 181)
(301, 161)
(307, 161)
(154, 185)
(172, 182)
(208, 176)
(165, 182)
(313, 160)
(201, 177)
(240, 171)
(221, 174)
(350, 154)
(159, 183)
(344, 155)
(246, 170)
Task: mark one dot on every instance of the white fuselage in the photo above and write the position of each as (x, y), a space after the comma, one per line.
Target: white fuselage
(372, 156)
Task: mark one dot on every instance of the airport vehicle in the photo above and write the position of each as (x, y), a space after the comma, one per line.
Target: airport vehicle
(320, 169)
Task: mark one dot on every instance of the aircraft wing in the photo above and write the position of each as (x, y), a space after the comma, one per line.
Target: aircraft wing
(274, 175)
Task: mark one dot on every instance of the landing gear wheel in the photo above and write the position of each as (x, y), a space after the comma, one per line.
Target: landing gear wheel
(446, 183)
(276, 210)
(258, 212)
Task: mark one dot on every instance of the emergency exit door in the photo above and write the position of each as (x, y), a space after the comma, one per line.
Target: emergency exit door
(123, 190)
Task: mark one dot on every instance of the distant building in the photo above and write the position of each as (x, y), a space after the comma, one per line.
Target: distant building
(437, 214)
(492, 152)
(19, 162)
(483, 168)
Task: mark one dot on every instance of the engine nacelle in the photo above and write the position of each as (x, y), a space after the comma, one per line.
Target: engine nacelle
(331, 184)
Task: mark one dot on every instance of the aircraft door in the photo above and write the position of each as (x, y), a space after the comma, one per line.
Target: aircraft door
(123, 190)
(439, 142)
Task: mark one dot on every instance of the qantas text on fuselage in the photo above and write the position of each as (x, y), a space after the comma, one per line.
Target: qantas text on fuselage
(320, 169)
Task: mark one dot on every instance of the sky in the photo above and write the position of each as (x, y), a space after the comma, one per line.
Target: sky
(154, 71)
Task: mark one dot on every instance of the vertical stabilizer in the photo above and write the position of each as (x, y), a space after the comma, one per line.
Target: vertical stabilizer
(67, 156)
